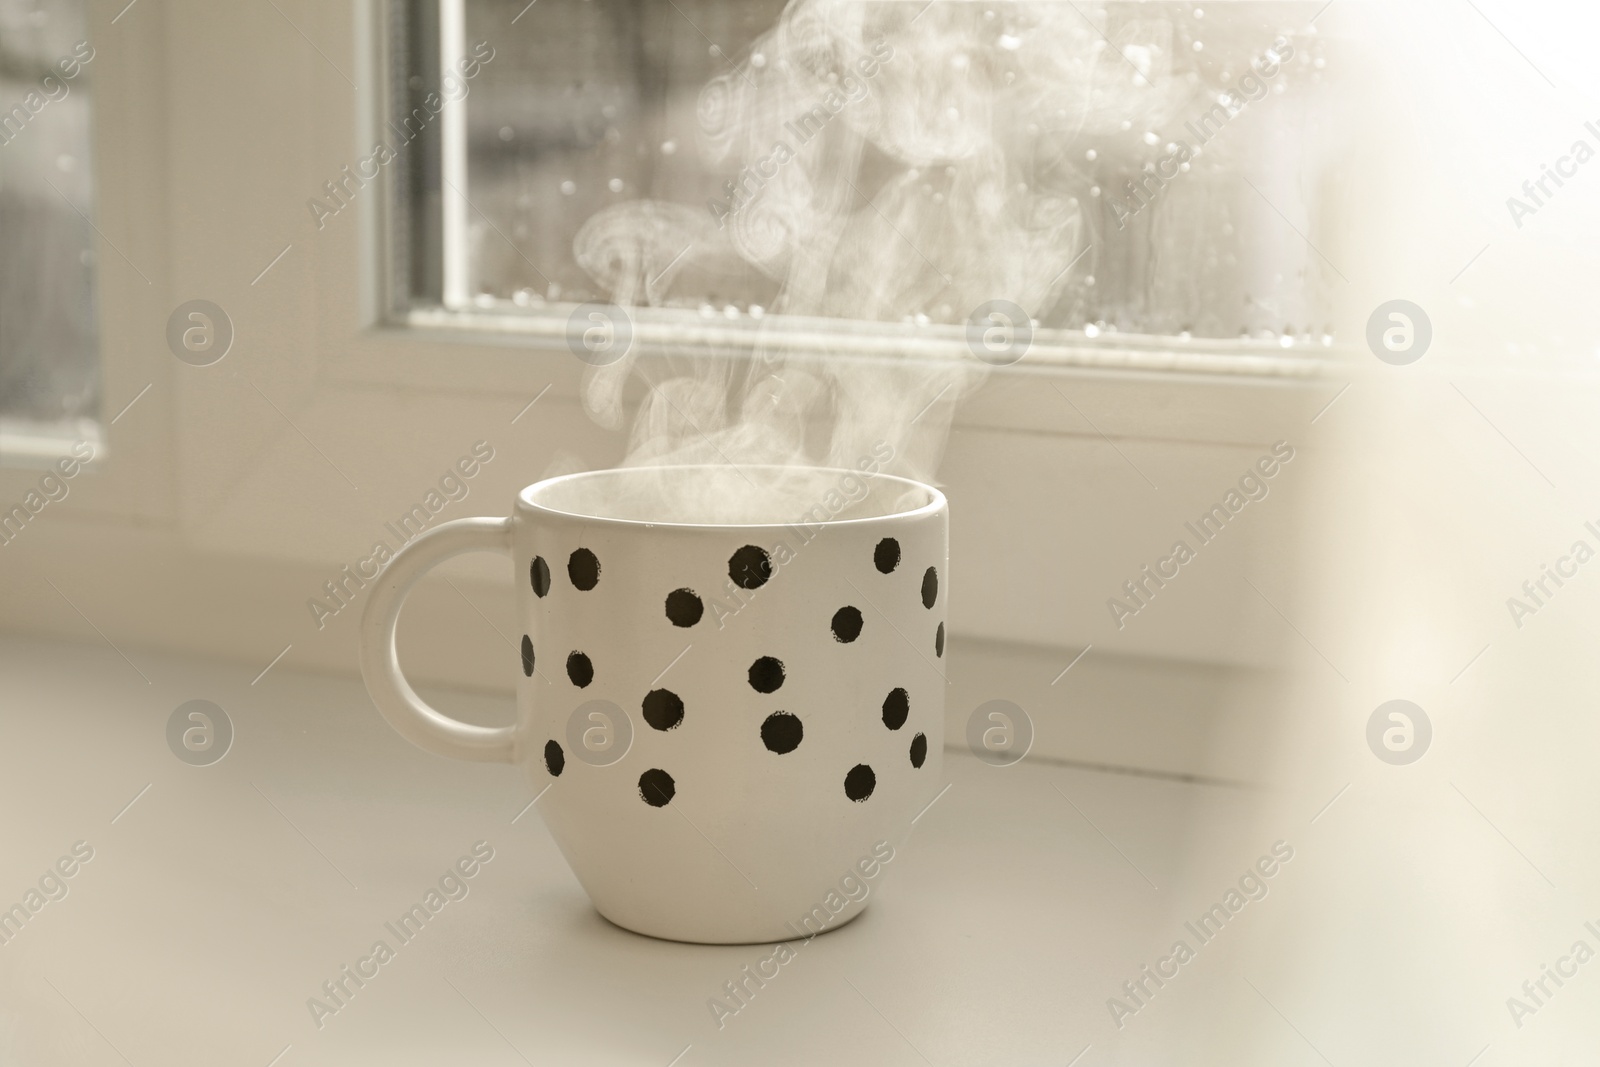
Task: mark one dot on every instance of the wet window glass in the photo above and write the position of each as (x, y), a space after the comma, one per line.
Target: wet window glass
(1113, 169)
(49, 341)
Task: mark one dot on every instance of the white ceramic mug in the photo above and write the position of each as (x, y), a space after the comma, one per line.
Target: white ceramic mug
(734, 708)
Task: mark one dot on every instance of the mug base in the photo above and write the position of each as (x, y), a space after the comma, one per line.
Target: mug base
(778, 935)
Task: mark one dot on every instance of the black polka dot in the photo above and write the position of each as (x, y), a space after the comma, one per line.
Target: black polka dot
(539, 575)
(750, 567)
(782, 732)
(579, 669)
(919, 750)
(938, 641)
(896, 706)
(930, 588)
(860, 782)
(766, 674)
(527, 655)
(555, 760)
(584, 569)
(663, 709)
(684, 607)
(846, 625)
(887, 555)
(656, 787)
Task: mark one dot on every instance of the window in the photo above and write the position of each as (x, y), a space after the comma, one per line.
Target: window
(49, 342)
(1129, 174)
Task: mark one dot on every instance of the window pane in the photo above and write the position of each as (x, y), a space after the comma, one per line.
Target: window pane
(49, 340)
(1148, 168)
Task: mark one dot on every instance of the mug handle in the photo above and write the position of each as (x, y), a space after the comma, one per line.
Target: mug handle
(418, 723)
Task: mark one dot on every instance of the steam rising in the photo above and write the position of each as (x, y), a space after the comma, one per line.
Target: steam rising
(887, 164)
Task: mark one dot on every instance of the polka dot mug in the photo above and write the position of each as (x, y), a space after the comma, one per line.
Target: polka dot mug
(731, 683)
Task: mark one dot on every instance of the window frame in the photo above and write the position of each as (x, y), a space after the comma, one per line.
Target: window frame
(175, 497)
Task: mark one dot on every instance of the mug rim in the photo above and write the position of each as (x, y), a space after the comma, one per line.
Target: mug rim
(935, 504)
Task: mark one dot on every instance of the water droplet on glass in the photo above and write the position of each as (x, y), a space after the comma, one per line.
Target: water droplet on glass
(65, 163)
(568, 188)
(756, 311)
(1009, 42)
(1199, 13)
(1091, 330)
(706, 311)
(522, 297)
(615, 185)
(758, 60)
(1199, 46)
(1127, 124)
(1088, 279)
(920, 319)
(1094, 190)
(1183, 335)
(1091, 155)
(668, 147)
(484, 300)
(506, 133)
(1286, 341)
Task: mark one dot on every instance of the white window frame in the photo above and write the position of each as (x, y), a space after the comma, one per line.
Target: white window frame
(315, 337)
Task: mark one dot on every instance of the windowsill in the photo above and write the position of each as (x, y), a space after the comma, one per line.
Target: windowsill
(962, 900)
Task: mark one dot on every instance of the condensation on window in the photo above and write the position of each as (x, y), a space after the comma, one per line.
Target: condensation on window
(1142, 168)
(49, 336)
